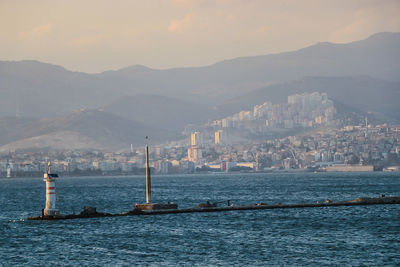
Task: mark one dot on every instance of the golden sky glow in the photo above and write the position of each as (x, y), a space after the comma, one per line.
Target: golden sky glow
(98, 35)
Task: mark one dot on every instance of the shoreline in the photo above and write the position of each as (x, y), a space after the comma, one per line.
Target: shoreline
(292, 171)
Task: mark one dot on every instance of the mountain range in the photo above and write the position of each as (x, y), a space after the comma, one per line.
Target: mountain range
(84, 129)
(362, 75)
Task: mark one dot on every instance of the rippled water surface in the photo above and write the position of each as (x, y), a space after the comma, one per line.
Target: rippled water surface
(355, 236)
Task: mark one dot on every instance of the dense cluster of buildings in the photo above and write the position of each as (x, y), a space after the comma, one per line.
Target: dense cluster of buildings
(305, 110)
(215, 147)
(326, 149)
(358, 148)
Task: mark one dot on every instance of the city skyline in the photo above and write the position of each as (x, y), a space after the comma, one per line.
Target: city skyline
(241, 142)
(364, 148)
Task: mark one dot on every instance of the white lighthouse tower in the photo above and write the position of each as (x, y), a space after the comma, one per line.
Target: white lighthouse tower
(50, 179)
(8, 170)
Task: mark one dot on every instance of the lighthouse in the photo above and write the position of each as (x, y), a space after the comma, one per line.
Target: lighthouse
(50, 179)
(8, 170)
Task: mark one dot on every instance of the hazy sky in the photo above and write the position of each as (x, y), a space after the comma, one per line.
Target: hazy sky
(95, 35)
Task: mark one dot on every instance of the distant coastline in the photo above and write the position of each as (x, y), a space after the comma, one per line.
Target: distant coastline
(328, 169)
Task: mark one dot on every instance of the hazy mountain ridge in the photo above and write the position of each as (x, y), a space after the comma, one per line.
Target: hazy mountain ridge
(140, 101)
(31, 83)
(88, 128)
(43, 90)
(62, 140)
(160, 111)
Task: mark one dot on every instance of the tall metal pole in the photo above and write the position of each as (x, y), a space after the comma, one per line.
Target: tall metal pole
(148, 179)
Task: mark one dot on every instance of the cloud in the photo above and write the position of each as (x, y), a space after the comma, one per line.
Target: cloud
(367, 21)
(187, 3)
(180, 25)
(350, 31)
(38, 31)
(85, 42)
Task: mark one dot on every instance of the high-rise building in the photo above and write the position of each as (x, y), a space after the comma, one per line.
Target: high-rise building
(195, 139)
(194, 154)
(218, 137)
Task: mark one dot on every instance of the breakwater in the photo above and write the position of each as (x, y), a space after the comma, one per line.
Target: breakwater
(90, 212)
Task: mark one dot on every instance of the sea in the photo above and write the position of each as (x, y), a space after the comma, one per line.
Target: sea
(334, 236)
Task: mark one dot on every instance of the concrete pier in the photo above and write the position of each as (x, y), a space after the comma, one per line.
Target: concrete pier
(259, 206)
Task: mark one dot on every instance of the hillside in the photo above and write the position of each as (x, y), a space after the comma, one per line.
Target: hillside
(85, 129)
(361, 93)
(160, 111)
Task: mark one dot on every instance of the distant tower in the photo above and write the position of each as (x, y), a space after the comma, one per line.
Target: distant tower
(218, 139)
(195, 139)
(132, 148)
(50, 179)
